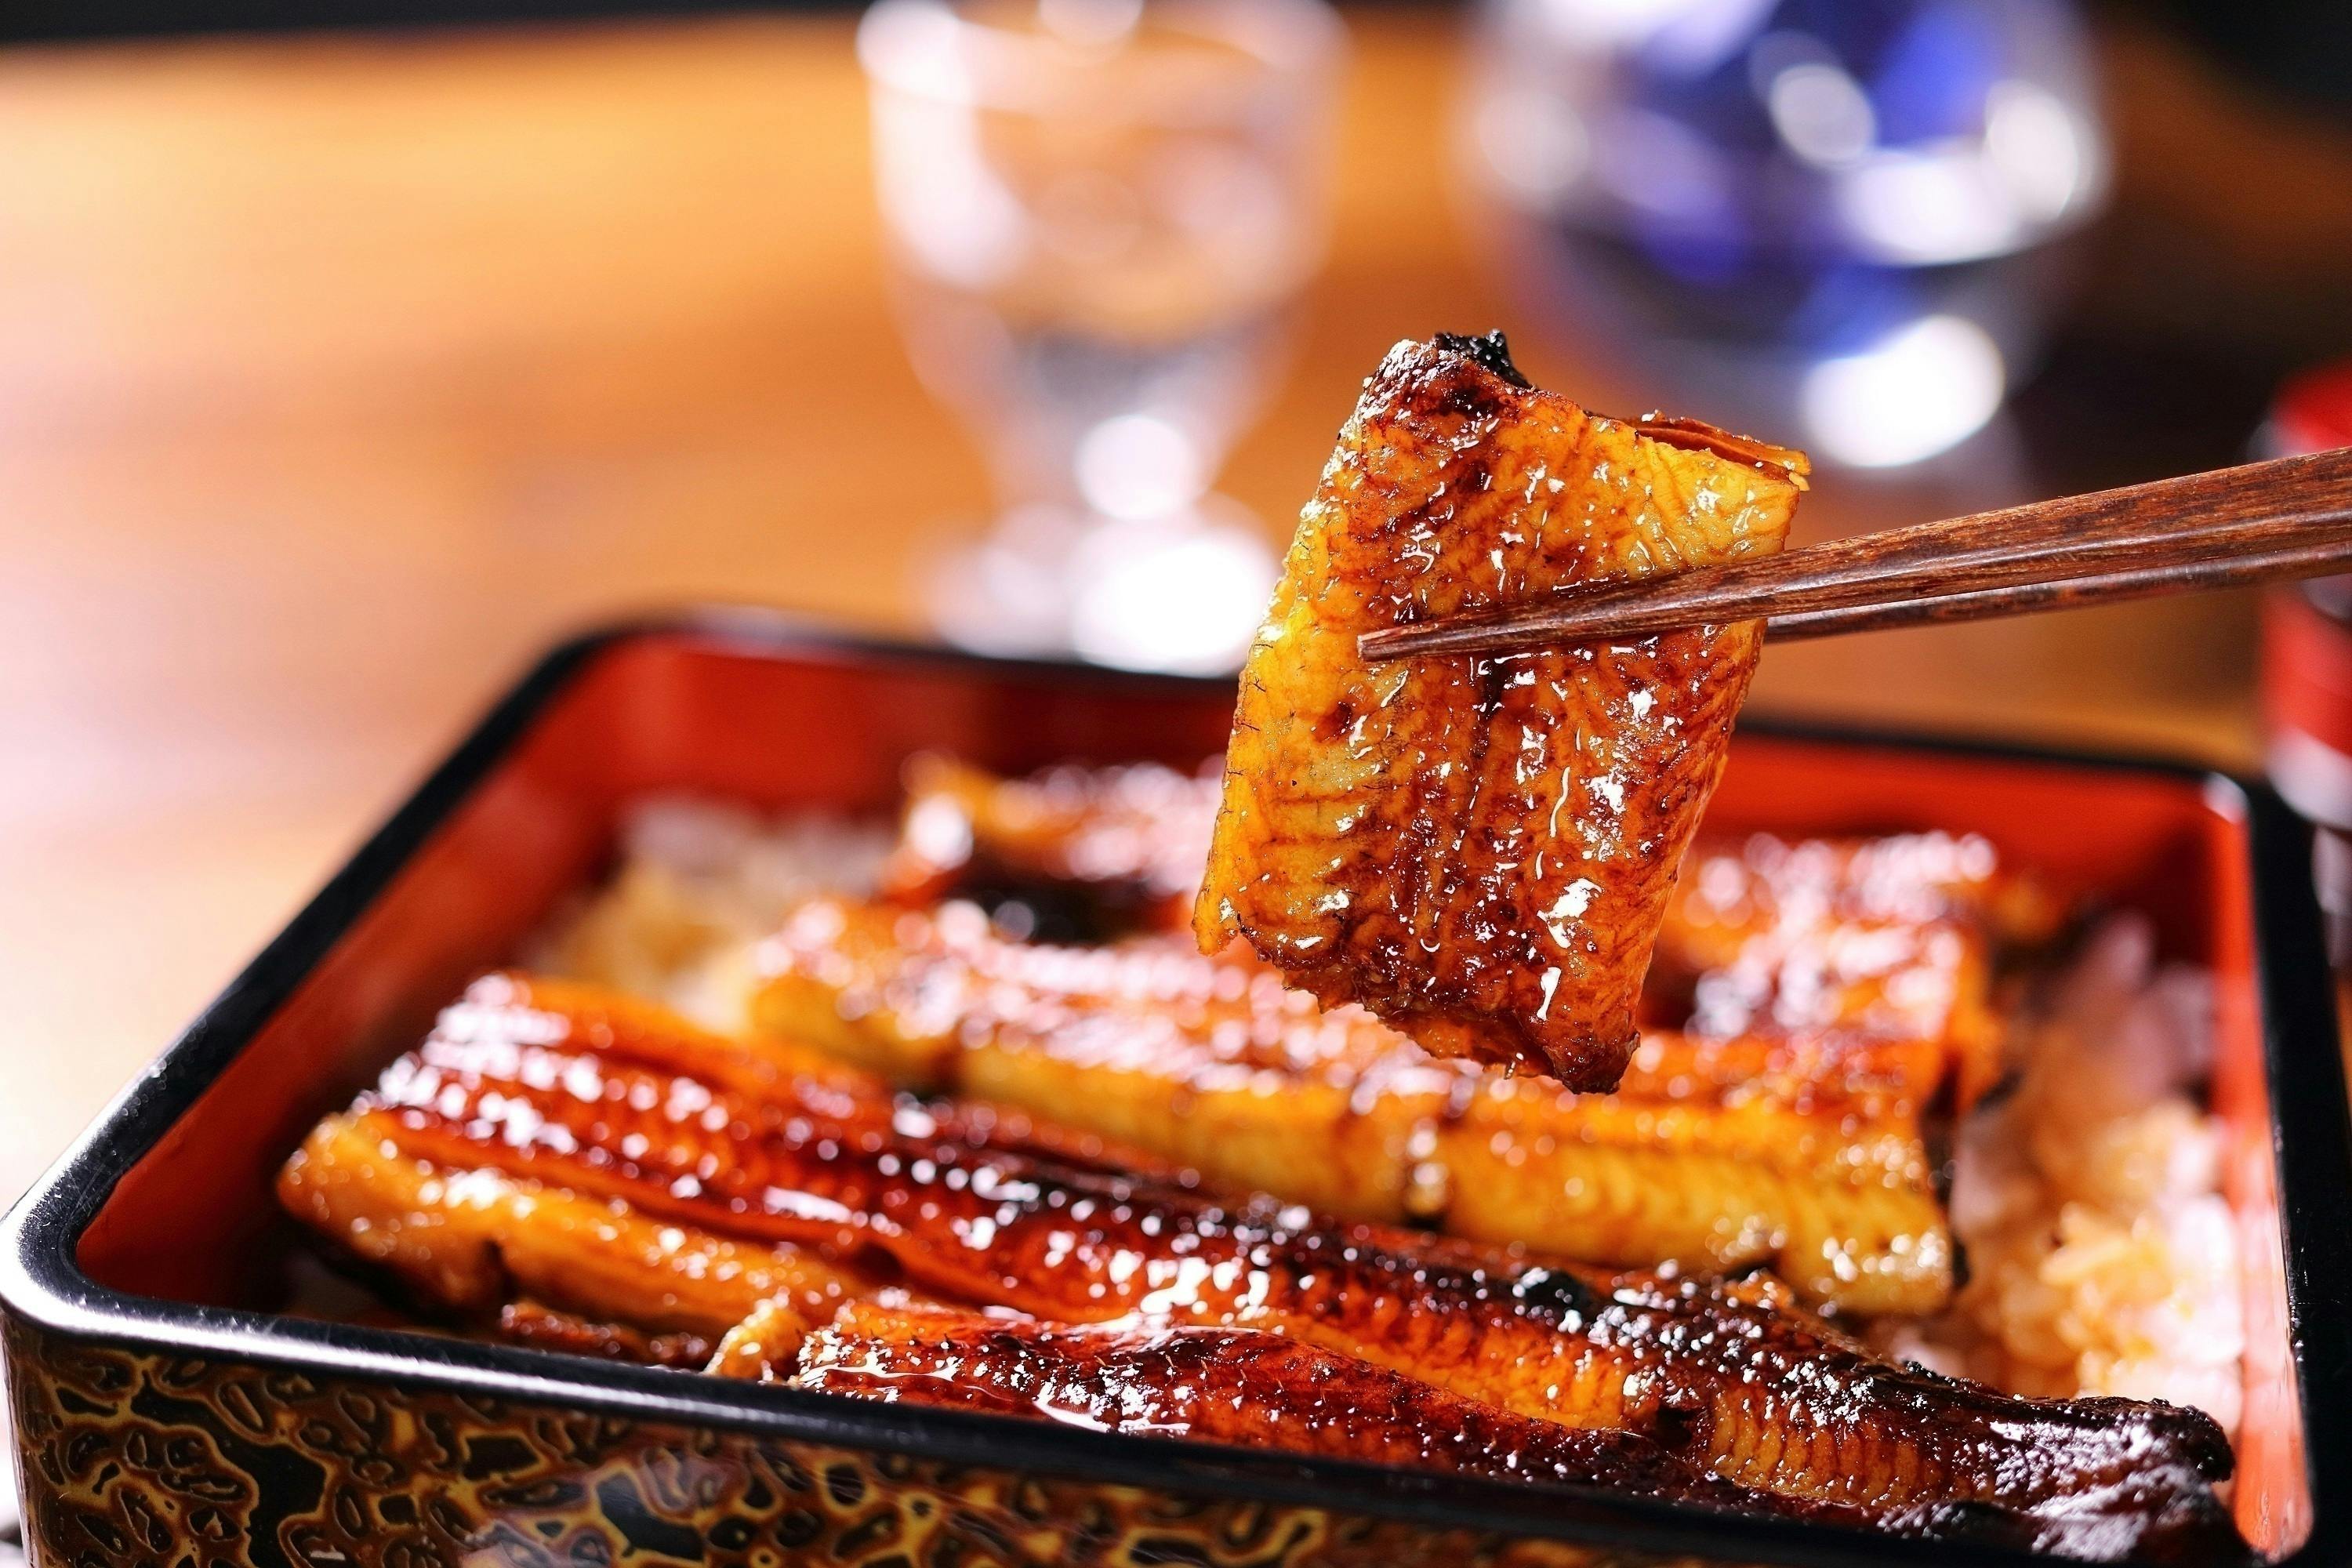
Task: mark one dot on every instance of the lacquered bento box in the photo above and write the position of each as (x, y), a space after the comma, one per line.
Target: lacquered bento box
(163, 1414)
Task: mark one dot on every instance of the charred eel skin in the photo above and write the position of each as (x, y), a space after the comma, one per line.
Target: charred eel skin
(1480, 847)
(1712, 1153)
(1067, 854)
(1726, 1374)
(1240, 1387)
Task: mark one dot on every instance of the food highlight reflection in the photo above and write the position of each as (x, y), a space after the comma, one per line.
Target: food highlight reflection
(972, 1125)
(1903, 1208)
(908, 1153)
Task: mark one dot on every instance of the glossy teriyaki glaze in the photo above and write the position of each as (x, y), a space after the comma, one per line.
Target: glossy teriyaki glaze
(1225, 1385)
(1802, 1149)
(1481, 848)
(719, 1146)
(1070, 853)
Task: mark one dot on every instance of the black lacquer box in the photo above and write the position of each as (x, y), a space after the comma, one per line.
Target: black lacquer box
(166, 1414)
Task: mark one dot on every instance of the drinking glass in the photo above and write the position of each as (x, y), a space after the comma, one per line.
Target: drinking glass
(1100, 215)
(1833, 222)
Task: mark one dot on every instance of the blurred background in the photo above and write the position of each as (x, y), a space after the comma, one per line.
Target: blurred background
(353, 349)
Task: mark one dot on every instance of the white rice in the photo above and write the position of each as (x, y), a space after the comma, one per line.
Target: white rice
(700, 883)
(2102, 1257)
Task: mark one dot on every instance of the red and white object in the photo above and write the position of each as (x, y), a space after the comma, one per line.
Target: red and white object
(2307, 661)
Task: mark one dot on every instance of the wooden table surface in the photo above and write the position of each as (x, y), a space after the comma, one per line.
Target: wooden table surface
(338, 376)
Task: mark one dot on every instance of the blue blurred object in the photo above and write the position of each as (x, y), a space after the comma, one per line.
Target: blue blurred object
(1830, 221)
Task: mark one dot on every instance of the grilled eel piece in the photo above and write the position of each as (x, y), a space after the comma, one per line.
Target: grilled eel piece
(535, 1085)
(1067, 854)
(468, 1238)
(1792, 948)
(547, 1263)
(1803, 1155)
(1240, 1387)
(1892, 937)
(1480, 847)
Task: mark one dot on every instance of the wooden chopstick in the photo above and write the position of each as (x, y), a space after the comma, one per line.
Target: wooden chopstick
(2069, 593)
(2288, 517)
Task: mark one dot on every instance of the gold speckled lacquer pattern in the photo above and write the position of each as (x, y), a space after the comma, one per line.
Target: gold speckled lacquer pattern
(135, 1458)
